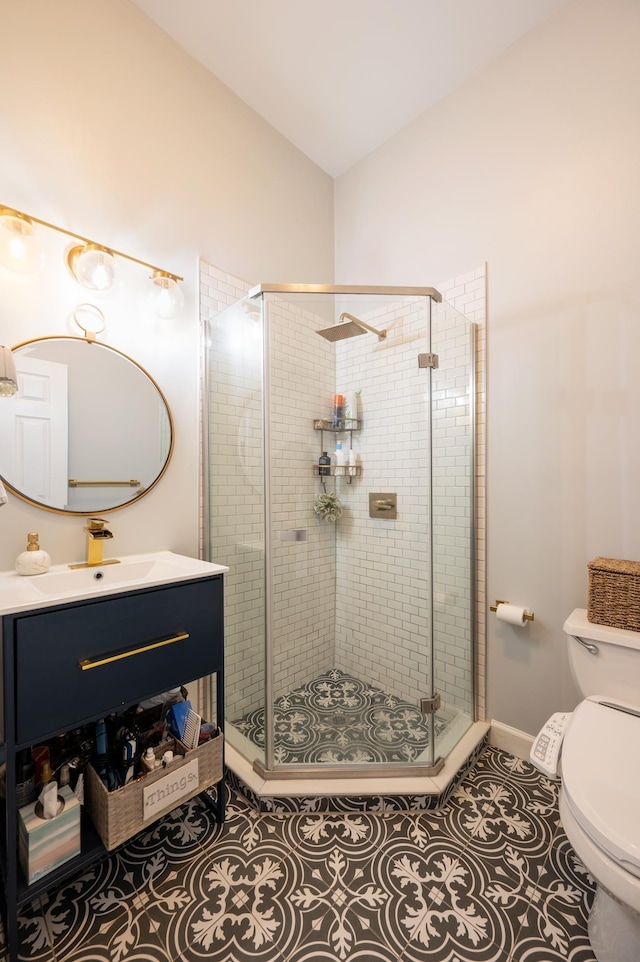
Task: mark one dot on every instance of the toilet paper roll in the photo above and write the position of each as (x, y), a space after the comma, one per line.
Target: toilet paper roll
(512, 614)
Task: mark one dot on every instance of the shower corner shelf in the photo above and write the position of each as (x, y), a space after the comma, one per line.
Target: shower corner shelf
(346, 471)
(344, 424)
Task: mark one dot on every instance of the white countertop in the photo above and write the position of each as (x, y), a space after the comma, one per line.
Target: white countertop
(61, 584)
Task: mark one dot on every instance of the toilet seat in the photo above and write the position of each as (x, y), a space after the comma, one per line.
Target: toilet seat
(601, 777)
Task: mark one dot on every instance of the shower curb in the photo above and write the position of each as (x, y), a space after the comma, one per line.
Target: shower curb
(413, 802)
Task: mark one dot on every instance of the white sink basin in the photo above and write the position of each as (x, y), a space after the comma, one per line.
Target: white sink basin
(61, 583)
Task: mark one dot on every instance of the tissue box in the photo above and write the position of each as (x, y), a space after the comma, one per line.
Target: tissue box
(46, 843)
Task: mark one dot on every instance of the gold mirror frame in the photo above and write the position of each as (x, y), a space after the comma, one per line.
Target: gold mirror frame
(91, 343)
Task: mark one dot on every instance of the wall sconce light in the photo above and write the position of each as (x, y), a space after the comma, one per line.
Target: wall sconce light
(93, 265)
(8, 376)
(167, 298)
(18, 242)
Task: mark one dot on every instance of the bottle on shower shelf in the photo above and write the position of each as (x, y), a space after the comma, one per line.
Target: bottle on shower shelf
(351, 409)
(323, 465)
(338, 410)
(339, 458)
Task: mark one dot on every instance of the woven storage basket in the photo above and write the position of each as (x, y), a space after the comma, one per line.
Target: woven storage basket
(118, 815)
(614, 593)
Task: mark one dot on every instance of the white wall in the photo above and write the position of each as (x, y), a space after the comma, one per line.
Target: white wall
(533, 167)
(109, 130)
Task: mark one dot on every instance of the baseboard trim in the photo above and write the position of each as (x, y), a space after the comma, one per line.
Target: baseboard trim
(510, 739)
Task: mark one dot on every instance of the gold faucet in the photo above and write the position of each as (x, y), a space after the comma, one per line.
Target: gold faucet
(97, 534)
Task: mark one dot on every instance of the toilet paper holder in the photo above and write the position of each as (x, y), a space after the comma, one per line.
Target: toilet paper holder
(528, 615)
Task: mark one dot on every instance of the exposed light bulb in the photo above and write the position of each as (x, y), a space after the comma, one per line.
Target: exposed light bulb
(18, 242)
(167, 298)
(92, 266)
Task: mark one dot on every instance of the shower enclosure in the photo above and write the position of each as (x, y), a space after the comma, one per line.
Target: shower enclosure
(349, 641)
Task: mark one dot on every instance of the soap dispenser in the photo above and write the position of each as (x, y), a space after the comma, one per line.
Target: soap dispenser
(33, 561)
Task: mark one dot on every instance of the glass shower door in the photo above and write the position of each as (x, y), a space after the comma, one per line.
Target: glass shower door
(235, 511)
(349, 640)
(453, 528)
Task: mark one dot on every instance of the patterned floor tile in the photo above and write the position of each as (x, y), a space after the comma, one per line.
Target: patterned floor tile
(551, 904)
(337, 718)
(171, 842)
(489, 878)
(230, 902)
(500, 763)
(329, 942)
(436, 905)
(35, 933)
(96, 915)
(489, 815)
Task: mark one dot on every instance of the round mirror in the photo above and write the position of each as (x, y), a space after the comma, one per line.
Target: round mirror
(88, 431)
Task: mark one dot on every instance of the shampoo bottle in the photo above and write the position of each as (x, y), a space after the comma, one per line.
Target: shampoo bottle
(33, 561)
(339, 458)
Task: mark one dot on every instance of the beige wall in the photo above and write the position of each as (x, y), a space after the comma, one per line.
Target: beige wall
(533, 167)
(108, 129)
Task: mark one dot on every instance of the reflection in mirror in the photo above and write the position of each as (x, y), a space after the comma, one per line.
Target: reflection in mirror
(88, 431)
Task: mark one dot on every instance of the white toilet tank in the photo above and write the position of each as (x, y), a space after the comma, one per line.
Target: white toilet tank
(612, 666)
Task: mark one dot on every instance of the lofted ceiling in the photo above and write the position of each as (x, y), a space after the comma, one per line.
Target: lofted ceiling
(339, 77)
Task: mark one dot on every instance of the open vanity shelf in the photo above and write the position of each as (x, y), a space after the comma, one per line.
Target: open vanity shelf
(65, 665)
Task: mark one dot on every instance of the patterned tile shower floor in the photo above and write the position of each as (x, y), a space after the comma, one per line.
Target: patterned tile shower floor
(490, 877)
(337, 718)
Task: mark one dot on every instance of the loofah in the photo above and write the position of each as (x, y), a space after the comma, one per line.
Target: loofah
(328, 507)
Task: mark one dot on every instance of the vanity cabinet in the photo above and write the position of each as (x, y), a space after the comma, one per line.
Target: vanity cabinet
(66, 665)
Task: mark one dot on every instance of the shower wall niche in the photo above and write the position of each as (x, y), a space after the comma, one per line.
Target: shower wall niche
(317, 610)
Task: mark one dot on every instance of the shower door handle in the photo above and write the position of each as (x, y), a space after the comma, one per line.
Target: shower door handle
(297, 535)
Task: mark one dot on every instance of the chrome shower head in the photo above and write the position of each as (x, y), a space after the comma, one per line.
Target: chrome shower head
(349, 326)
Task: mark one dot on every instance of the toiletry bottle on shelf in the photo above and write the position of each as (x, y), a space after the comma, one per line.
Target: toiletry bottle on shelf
(352, 463)
(25, 778)
(323, 464)
(33, 561)
(339, 458)
(351, 409)
(338, 410)
(149, 761)
(46, 772)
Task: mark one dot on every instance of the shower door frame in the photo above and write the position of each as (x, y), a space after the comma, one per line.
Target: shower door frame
(302, 770)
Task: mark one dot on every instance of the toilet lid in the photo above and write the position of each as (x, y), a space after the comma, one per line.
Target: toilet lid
(601, 777)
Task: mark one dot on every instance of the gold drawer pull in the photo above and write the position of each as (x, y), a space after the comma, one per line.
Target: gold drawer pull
(88, 663)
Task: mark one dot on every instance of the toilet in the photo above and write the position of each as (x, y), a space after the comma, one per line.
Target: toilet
(600, 793)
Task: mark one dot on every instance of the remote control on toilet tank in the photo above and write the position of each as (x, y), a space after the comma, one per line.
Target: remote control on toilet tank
(545, 751)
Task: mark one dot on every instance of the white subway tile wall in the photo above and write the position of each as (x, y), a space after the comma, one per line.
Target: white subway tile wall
(353, 595)
(302, 378)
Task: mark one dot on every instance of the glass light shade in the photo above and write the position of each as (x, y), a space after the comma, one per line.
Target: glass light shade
(92, 266)
(19, 251)
(8, 376)
(167, 298)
